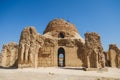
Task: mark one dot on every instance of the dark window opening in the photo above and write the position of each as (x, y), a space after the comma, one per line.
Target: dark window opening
(61, 35)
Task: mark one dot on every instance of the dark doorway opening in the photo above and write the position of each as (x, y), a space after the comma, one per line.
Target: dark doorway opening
(61, 57)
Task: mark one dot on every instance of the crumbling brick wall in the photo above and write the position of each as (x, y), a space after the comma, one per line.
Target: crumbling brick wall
(94, 51)
(29, 45)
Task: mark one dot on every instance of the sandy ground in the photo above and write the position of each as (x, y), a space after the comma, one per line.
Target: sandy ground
(52, 73)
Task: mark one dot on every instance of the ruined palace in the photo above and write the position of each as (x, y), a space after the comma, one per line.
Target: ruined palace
(60, 45)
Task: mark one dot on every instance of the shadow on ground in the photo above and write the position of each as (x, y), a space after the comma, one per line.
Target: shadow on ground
(71, 68)
(8, 67)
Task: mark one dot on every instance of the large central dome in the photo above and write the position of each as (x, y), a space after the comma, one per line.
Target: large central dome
(60, 25)
(61, 29)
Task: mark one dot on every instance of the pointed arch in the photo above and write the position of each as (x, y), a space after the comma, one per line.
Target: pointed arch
(61, 57)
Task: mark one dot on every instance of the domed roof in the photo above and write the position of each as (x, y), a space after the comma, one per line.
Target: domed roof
(60, 25)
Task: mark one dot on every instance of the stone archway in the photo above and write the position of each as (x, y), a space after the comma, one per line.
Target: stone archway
(61, 57)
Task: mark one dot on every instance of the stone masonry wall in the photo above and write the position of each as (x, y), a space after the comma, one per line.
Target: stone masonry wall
(94, 51)
(30, 43)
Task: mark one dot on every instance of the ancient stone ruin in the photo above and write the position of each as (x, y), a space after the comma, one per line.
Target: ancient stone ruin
(9, 55)
(94, 50)
(60, 46)
(114, 56)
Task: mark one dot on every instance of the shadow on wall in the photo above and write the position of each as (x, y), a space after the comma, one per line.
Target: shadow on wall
(92, 59)
(81, 54)
(15, 66)
(12, 67)
(115, 60)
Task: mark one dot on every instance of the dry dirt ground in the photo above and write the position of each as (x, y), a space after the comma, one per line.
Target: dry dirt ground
(52, 73)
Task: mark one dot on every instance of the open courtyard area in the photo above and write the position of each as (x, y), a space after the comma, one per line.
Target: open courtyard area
(52, 73)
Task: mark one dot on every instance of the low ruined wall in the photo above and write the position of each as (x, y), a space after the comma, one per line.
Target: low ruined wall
(9, 55)
(114, 55)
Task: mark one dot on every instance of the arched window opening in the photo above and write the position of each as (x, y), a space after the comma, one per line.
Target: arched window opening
(61, 35)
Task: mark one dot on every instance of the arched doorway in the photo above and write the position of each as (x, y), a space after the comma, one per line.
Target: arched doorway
(61, 57)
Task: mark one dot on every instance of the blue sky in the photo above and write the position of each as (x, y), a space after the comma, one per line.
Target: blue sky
(101, 16)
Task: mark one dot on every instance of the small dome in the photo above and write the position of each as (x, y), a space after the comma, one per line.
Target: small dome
(60, 25)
